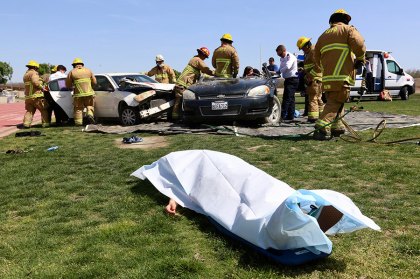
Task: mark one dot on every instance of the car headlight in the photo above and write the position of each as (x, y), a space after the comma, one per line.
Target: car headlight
(259, 91)
(188, 95)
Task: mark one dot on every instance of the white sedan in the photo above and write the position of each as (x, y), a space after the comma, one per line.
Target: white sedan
(130, 97)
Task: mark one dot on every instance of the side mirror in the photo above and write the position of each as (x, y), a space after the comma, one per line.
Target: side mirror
(110, 89)
(401, 72)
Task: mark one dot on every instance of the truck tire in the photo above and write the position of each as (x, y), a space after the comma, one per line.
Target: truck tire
(129, 116)
(404, 93)
(274, 117)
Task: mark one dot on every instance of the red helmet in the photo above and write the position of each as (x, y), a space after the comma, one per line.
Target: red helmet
(204, 51)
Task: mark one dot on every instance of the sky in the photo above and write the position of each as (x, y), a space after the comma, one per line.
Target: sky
(126, 35)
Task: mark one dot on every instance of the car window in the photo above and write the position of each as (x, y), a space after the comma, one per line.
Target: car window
(392, 67)
(138, 78)
(58, 85)
(102, 84)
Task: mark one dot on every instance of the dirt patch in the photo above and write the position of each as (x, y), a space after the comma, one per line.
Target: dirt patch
(147, 143)
(255, 148)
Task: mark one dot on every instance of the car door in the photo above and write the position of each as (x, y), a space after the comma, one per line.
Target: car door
(62, 95)
(104, 97)
(393, 77)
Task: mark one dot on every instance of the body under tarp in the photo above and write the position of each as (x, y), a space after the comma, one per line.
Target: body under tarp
(249, 203)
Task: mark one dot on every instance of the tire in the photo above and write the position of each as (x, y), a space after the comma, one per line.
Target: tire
(274, 117)
(404, 93)
(129, 116)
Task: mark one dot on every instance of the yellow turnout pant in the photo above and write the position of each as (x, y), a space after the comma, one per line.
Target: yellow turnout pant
(316, 105)
(79, 103)
(335, 99)
(31, 105)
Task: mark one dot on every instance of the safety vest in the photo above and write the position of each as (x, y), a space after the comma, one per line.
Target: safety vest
(334, 56)
(161, 76)
(335, 76)
(188, 73)
(84, 87)
(31, 93)
(32, 90)
(225, 66)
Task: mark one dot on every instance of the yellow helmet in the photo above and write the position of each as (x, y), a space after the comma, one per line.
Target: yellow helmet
(227, 37)
(302, 42)
(341, 11)
(77, 61)
(32, 63)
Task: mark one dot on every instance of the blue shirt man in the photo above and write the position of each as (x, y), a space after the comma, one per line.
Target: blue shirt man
(272, 67)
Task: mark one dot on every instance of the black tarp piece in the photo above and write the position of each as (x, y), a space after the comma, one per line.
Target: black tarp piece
(358, 120)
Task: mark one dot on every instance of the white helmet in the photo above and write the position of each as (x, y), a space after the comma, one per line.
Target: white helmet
(159, 58)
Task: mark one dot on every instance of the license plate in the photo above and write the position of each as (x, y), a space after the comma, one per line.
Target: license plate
(219, 105)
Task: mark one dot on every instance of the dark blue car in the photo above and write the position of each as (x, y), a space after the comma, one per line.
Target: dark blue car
(221, 99)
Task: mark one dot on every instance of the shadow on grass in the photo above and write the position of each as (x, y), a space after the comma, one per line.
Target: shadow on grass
(249, 258)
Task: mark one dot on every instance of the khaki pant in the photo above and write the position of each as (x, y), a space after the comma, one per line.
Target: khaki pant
(79, 103)
(335, 100)
(31, 105)
(316, 105)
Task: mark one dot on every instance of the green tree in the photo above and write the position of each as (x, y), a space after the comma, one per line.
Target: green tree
(6, 72)
(414, 73)
(45, 68)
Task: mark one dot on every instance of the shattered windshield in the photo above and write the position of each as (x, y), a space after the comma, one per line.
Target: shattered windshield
(138, 78)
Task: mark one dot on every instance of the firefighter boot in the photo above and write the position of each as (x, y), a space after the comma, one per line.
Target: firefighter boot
(321, 132)
(90, 114)
(320, 135)
(337, 129)
(337, 132)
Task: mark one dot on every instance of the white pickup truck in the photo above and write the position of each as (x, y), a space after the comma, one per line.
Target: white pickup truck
(386, 74)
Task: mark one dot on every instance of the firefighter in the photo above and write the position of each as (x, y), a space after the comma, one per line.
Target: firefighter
(313, 87)
(338, 52)
(82, 79)
(189, 76)
(225, 58)
(162, 72)
(34, 96)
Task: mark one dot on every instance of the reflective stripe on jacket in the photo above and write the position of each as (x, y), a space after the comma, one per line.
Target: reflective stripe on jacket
(191, 72)
(33, 84)
(226, 61)
(82, 79)
(334, 56)
(163, 74)
(308, 63)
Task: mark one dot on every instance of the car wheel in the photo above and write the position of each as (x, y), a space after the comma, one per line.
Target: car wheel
(129, 116)
(275, 115)
(404, 93)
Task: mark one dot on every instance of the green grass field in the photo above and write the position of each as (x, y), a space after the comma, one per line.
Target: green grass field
(76, 212)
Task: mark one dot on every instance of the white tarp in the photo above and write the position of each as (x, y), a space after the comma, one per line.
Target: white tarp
(250, 203)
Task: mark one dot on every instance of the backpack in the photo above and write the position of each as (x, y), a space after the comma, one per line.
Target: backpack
(385, 96)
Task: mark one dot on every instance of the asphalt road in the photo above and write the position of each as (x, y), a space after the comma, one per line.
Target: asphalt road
(11, 115)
